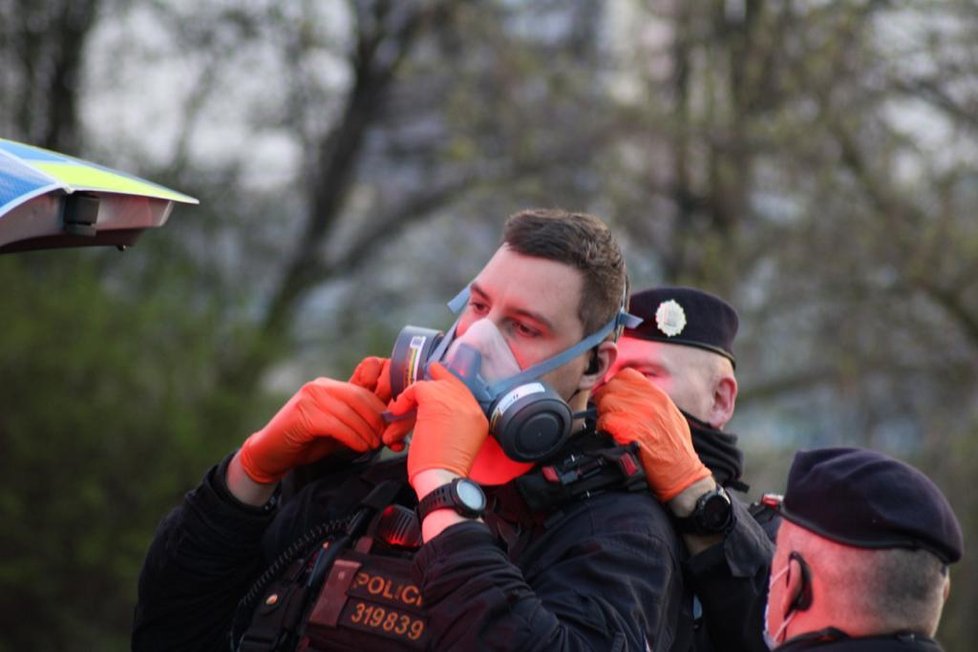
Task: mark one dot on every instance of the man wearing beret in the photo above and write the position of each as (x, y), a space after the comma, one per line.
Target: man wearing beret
(684, 347)
(862, 555)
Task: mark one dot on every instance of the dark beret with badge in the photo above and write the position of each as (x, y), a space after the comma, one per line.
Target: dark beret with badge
(865, 499)
(687, 316)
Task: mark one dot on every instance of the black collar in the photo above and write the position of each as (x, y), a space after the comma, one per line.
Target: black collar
(836, 639)
(719, 452)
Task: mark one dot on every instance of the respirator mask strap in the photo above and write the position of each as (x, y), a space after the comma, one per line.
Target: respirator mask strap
(530, 421)
(619, 322)
(458, 302)
(527, 417)
(622, 319)
(456, 305)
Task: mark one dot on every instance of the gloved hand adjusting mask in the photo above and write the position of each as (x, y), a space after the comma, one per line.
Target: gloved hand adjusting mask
(528, 418)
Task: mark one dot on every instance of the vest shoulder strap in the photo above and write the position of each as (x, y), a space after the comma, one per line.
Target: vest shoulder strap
(580, 475)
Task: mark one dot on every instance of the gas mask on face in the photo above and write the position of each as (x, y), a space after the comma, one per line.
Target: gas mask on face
(526, 416)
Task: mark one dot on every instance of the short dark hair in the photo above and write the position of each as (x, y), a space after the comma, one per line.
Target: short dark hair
(582, 241)
(883, 589)
(910, 586)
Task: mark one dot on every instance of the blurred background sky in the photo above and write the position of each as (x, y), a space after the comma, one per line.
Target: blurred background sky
(814, 163)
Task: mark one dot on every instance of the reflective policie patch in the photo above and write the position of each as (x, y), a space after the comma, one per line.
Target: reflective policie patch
(384, 620)
(370, 594)
(386, 604)
(395, 590)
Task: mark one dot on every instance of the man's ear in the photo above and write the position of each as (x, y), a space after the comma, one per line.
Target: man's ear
(724, 401)
(799, 592)
(601, 358)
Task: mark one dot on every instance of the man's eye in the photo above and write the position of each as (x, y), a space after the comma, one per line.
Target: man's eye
(524, 330)
(478, 307)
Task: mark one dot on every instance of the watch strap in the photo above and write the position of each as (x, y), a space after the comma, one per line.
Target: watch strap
(447, 497)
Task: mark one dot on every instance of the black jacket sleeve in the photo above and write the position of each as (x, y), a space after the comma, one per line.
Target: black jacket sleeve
(205, 555)
(730, 582)
(607, 576)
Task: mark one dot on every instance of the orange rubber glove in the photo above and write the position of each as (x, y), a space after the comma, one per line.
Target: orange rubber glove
(322, 416)
(449, 428)
(374, 374)
(631, 408)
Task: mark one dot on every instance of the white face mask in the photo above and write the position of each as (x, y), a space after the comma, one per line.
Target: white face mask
(497, 361)
(774, 641)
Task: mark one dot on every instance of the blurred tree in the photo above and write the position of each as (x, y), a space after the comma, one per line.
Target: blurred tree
(42, 45)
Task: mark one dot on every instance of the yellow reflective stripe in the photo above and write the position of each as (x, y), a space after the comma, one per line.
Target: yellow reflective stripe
(81, 177)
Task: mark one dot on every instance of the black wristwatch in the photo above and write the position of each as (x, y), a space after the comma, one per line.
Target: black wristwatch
(461, 494)
(713, 514)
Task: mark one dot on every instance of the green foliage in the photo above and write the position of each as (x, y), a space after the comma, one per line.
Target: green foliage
(103, 425)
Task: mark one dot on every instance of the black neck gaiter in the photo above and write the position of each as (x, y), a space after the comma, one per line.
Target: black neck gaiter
(719, 452)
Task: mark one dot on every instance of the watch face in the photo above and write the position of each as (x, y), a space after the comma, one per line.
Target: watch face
(716, 511)
(471, 495)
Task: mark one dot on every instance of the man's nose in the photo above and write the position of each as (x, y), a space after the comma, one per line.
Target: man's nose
(493, 316)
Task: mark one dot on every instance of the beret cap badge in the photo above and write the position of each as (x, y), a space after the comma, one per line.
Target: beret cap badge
(670, 318)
